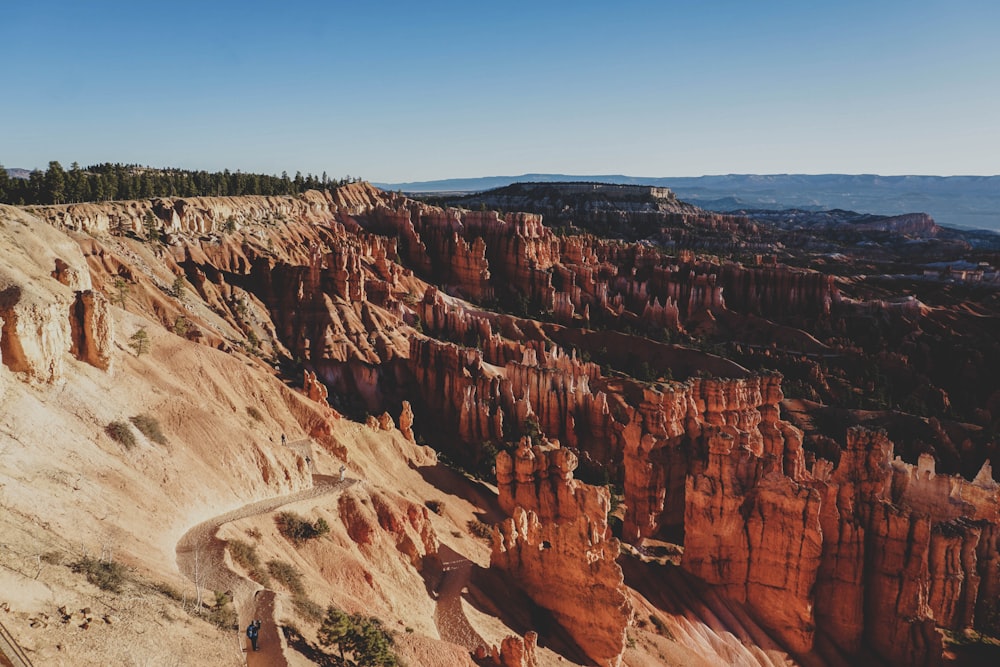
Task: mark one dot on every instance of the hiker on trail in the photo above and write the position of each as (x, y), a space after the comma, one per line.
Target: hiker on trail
(343, 469)
(282, 439)
(252, 631)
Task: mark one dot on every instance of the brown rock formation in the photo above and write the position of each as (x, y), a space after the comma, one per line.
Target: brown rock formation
(558, 547)
(92, 329)
(313, 388)
(874, 553)
(517, 651)
(406, 422)
(570, 569)
(540, 479)
(758, 535)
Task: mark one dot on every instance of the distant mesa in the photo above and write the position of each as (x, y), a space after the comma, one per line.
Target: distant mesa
(953, 201)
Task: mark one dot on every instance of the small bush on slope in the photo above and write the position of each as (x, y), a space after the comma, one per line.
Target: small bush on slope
(121, 433)
(105, 574)
(149, 426)
(298, 529)
(245, 555)
(287, 576)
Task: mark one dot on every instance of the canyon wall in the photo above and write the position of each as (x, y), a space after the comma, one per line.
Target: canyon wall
(44, 320)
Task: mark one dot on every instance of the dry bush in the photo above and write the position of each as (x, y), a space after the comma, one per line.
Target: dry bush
(480, 529)
(245, 554)
(287, 576)
(306, 608)
(121, 433)
(222, 614)
(149, 426)
(105, 574)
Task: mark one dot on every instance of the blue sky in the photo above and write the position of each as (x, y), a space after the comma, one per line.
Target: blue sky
(404, 91)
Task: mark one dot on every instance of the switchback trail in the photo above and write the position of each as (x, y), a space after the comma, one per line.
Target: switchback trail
(201, 558)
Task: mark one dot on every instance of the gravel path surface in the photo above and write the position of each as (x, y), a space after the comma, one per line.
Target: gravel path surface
(449, 617)
(201, 558)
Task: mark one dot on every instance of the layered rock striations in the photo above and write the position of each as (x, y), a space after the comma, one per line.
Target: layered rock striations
(58, 314)
(558, 548)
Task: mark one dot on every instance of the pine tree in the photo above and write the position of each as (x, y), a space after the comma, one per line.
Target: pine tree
(139, 342)
(336, 629)
(4, 185)
(152, 225)
(55, 184)
(74, 183)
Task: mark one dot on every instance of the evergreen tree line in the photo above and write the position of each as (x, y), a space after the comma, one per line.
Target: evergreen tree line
(104, 182)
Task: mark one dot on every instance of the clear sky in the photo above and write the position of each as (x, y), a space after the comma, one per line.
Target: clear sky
(419, 90)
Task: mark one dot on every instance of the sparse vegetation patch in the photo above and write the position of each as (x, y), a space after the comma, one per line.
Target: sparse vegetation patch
(287, 576)
(222, 614)
(298, 529)
(149, 426)
(245, 555)
(121, 433)
(480, 529)
(105, 574)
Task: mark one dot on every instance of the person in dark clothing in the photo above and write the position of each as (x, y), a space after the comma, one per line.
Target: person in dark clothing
(252, 631)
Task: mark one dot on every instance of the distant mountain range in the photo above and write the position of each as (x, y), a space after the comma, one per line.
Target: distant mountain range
(955, 201)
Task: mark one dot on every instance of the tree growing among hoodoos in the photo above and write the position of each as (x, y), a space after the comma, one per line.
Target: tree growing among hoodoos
(364, 638)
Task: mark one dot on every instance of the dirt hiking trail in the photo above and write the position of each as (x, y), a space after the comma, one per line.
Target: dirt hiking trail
(201, 558)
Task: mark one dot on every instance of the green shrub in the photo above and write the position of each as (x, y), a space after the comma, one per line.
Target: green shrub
(222, 614)
(245, 555)
(121, 433)
(178, 287)
(480, 529)
(181, 326)
(139, 342)
(105, 574)
(287, 576)
(298, 529)
(149, 426)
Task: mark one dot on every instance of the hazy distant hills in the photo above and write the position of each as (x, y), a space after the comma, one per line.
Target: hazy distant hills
(956, 201)
(19, 173)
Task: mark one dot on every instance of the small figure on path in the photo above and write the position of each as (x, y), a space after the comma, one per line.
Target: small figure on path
(252, 631)
(343, 469)
(308, 462)
(282, 439)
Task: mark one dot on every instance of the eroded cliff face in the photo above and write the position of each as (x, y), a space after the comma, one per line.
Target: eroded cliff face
(557, 546)
(47, 306)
